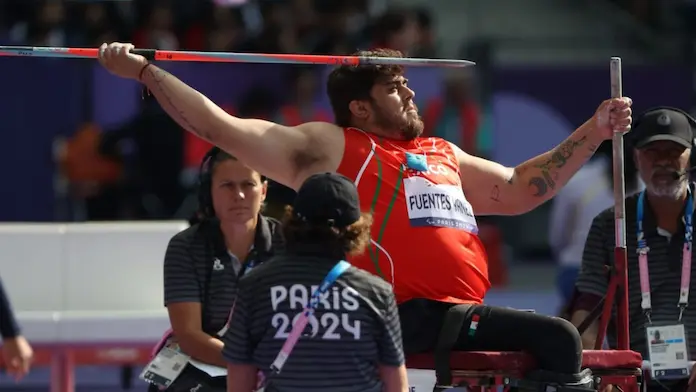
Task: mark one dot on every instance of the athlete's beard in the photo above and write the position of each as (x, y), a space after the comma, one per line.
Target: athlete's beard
(407, 128)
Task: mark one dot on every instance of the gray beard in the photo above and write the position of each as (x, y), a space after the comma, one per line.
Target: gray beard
(672, 191)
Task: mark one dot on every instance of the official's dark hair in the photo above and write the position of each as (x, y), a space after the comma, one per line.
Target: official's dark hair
(351, 240)
(349, 83)
(210, 161)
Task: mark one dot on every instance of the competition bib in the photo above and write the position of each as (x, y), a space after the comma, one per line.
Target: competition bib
(438, 205)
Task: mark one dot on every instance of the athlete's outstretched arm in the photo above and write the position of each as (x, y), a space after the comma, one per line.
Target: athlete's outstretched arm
(279, 152)
(493, 189)
(276, 151)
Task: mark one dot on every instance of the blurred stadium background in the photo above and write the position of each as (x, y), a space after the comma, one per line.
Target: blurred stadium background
(81, 145)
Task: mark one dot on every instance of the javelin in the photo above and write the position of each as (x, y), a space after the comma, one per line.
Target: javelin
(620, 254)
(230, 57)
(618, 287)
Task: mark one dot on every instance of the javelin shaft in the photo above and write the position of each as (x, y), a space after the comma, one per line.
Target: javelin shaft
(231, 57)
(617, 144)
(620, 253)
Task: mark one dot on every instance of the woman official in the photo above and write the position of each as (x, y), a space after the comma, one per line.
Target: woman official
(202, 267)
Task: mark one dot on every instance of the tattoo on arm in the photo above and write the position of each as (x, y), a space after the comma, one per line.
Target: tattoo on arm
(495, 193)
(159, 76)
(549, 170)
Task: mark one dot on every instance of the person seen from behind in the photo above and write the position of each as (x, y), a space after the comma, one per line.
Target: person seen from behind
(352, 339)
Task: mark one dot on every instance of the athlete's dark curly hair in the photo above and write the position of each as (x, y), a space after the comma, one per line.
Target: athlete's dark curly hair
(349, 83)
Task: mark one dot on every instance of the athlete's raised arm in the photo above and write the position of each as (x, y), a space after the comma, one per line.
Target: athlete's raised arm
(285, 154)
(493, 189)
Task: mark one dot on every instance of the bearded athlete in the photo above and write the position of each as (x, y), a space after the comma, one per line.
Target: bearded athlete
(422, 192)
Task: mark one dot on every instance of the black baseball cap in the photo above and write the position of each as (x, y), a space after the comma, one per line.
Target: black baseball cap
(328, 198)
(663, 124)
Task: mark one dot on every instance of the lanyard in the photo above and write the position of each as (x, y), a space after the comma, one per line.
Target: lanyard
(246, 267)
(308, 311)
(643, 250)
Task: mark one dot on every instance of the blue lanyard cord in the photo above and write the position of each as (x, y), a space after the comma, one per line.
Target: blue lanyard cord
(330, 278)
(248, 267)
(688, 222)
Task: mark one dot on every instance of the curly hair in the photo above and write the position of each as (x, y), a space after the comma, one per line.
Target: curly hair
(349, 82)
(352, 240)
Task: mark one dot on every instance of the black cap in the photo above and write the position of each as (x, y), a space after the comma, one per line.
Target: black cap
(663, 124)
(328, 198)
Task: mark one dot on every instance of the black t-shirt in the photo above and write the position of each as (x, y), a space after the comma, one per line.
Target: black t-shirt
(355, 327)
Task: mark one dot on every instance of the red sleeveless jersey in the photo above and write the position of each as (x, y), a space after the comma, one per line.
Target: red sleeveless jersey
(423, 238)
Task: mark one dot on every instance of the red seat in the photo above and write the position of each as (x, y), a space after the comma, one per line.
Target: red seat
(521, 362)
(611, 359)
